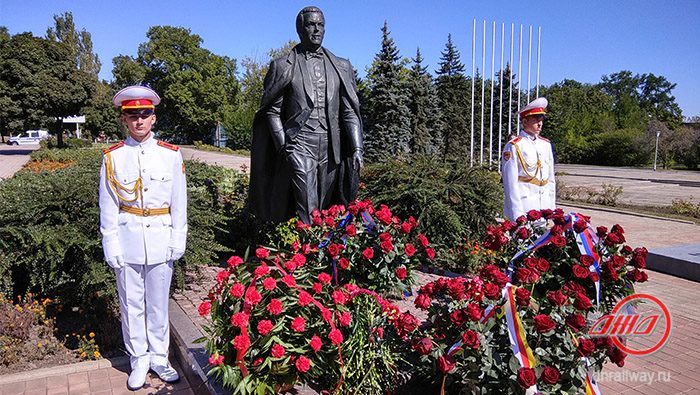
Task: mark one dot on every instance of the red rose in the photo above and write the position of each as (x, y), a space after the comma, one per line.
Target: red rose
(445, 363)
(222, 276)
(642, 251)
(524, 275)
(610, 271)
(317, 288)
(547, 213)
(557, 297)
(521, 220)
(556, 230)
(522, 233)
(274, 307)
(339, 297)
(637, 276)
(471, 339)
(529, 262)
(264, 327)
(492, 291)
(329, 222)
(430, 253)
(639, 261)
(344, 263)
(576, 321)
(422, 301)
(304, 298)
(522, 297)
(617, 229)
(580, 226)
(580, 271)
(289, 281)
(542, 265)
(324, 278)
(458, 317)
(299, 259)
(335, 337)
(618, 261)
(261, 253)
(422, 240)
(612, 239)
(262, 270)
(345, 319)
(400, 273)
(241, 342)
(316, 343)
(406, 228)
(269, 283)
(290, 266)
(384, 236)
(594, 277)
(277, 351)
(585, 347)
(572, 288)
(303, 364)
(526, 377)
(240, 320)
(559, 241)
(550, 375)
(423, 346)
(543, 323)
(534, 215)
(581, 302)
(617, 356)
(204, 308)
(601, 231)
(406, 323)
(234, 261)
(386, 246)
(368, 253)
(296, 245)
(474, 311)
(334, 249)
(252, 297)
(298, 324)
(409, 249)
(586, 260)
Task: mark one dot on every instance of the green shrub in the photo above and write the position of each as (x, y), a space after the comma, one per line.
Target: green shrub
(451, 201)
(50, 242)
(71, 142)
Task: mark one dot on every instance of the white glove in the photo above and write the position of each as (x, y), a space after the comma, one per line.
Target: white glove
(115, 262)
(174, 254)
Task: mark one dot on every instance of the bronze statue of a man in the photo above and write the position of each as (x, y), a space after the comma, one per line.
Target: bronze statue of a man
(307, 135)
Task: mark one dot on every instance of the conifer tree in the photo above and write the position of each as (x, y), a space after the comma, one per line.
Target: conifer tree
(454, 100)
(386, 113)
(425, 112)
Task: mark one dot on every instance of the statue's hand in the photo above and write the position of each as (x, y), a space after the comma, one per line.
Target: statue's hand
(357, 162)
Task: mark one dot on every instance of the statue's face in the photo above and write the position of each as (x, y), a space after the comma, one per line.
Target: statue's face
(312, 30)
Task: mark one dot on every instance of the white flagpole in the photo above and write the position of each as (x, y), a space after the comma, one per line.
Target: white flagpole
(500, 99)
(539, 35)
(483, 78)
(493, 58)
(529, 62)
(520, 75)
(471, 144)
(510, 85)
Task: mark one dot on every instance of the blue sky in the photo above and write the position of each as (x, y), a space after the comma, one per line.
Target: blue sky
(581, 40)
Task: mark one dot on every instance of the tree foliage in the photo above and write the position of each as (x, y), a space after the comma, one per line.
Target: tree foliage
(197, 88)
(79, 43)
(452, 91)
(386, 114)
(425, 113)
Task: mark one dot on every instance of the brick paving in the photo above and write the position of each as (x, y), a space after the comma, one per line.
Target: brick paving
(674, 369)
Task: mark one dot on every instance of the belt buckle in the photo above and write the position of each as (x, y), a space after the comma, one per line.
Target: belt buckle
(146, 212)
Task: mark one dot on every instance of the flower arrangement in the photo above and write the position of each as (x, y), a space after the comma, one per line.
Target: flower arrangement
(543, 292)
(308, 313)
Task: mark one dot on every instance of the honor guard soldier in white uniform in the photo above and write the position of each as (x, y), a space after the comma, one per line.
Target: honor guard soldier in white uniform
(528, 166)
(143, 220)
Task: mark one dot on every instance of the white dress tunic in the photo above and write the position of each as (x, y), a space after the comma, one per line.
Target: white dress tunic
(528, 175)
(144, 175)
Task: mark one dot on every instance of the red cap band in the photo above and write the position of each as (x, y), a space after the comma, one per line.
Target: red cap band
(140, 103)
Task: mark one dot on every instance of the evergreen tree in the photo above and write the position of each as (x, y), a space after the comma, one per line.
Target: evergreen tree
(386, 113)
(425, 112)
(453, 97)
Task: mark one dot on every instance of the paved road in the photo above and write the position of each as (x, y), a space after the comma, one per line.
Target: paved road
(640, 186)
(13, 157)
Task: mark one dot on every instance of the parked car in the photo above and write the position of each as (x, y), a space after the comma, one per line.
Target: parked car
(28, 137)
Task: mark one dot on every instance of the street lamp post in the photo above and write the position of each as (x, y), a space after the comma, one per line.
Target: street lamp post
(656, 149)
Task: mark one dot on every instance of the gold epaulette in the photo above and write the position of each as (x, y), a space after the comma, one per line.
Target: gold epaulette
(112, 148)
(168, 145)
(542, 138)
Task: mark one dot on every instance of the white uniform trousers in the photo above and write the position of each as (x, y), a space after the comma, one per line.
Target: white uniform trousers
(143, 301)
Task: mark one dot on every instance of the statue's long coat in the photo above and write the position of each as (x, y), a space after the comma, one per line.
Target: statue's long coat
(271, 196)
